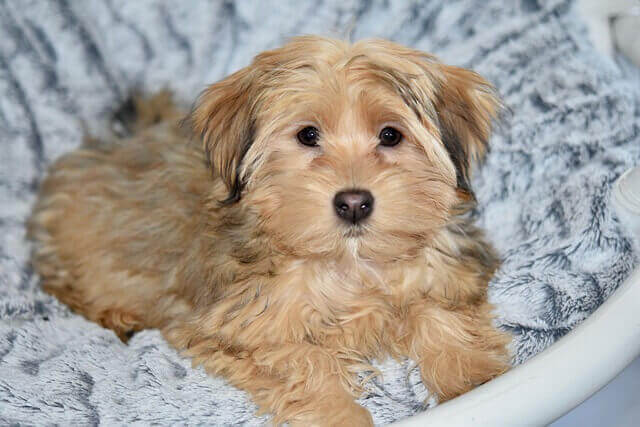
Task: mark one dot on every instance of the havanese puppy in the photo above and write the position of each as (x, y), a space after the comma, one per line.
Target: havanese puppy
(320, 224)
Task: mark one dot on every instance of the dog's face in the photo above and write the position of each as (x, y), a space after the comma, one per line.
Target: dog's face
(347, 149)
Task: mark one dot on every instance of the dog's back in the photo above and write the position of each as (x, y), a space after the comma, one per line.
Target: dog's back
(112, 217)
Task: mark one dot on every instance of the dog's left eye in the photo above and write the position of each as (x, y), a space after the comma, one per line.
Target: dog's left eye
(390, 136)
(309, 136)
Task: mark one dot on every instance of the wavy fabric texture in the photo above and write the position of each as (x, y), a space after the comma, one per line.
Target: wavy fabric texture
(543, 191)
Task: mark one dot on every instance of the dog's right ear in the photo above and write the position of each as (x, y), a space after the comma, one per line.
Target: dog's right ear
(466, 106)
(224, 116)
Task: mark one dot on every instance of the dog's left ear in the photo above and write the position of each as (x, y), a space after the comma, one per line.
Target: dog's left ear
(224, 116)
(466, 105)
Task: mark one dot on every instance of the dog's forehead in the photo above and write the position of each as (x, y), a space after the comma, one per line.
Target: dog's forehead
(351, 69)
(325, 91)
(374, 77)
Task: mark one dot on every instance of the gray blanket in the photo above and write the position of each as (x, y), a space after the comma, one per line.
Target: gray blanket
(543, 192)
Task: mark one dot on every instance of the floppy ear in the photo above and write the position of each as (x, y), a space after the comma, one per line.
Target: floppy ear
(466, 105)
(224, 116)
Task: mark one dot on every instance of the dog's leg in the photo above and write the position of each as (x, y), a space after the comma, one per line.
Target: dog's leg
(299, 383)
(123, 323)
(456, 348)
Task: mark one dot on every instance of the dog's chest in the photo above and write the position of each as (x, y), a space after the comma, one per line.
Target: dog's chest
(354, 303)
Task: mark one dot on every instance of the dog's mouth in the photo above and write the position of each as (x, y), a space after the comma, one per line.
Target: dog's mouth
(354, 231)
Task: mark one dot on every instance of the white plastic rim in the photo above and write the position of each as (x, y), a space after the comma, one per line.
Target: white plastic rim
(560, 378)
(626, 200)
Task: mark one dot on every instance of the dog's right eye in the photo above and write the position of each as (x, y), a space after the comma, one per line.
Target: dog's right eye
(309, 136)
(390, 136)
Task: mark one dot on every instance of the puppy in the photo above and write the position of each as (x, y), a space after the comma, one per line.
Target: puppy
(320, 224)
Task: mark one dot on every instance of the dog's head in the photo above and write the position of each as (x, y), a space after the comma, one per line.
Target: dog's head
(340, 147)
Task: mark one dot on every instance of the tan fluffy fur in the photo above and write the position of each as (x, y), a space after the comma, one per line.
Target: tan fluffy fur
(269, 288)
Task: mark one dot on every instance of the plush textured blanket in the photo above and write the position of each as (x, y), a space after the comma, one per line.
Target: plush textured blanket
(543, 192)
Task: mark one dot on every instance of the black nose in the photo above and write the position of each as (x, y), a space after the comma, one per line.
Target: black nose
(353, 205)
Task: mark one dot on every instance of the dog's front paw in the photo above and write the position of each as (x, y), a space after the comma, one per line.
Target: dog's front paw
(337, 415)
(461, 370)
(355, 415)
